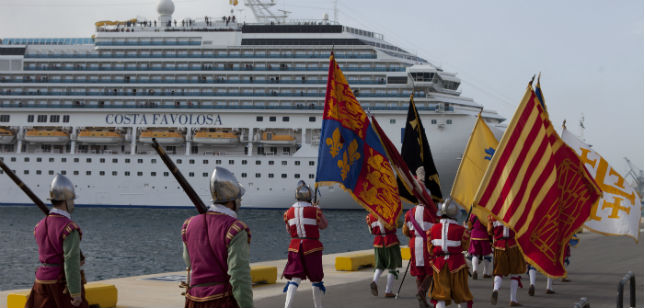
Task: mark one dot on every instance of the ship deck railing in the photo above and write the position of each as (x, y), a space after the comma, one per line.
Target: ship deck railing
(256, 57)
(239, 81)
(256, 69)
(205, 94)
(217, 107)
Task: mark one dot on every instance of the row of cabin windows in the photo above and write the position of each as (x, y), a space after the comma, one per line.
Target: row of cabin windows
(165, 174)
(284, 119)
(154, 161)
(42, 118)
(448, 121)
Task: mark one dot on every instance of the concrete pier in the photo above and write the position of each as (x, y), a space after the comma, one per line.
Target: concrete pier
(597, 265)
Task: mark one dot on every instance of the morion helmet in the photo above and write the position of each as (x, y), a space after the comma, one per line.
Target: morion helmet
(303, 192)
(224, 186)
(61, 189)
(449, 208)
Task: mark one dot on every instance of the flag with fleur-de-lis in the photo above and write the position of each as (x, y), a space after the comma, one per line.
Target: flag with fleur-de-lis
(350, 153)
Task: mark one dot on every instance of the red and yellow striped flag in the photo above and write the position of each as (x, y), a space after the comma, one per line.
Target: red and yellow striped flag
(537, 185)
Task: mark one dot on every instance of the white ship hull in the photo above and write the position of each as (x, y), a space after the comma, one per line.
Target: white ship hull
(101, 179)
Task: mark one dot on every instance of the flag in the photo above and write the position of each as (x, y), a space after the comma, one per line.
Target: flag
(415, 151)
(618, 211)
(478, 154)
(537, 185)
(405, 177)
(350, 153)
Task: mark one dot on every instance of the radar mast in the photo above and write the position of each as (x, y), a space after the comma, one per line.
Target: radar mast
(263, 14)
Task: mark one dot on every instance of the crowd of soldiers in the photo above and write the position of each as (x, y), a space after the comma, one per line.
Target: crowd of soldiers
(216, 252)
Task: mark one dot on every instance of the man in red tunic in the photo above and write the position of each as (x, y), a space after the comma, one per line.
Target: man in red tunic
(303, 220)
(387, 254)
(216, 249)
(417, 221)
(507, 260)
(446, 241)
(58, 280)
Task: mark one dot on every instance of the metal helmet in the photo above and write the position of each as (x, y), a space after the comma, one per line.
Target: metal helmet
(449, 208)
(224, 186)
(61, 189)
(303, 192)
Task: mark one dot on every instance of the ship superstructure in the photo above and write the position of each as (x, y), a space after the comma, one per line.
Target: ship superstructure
(213, 92)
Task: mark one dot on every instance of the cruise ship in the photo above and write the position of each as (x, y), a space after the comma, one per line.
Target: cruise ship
(214, 91)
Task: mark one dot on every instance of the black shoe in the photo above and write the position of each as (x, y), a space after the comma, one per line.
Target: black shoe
(493, 298)
(422, 300)
(474, 275)
(374, 288)
(550, 291)
(531, 290)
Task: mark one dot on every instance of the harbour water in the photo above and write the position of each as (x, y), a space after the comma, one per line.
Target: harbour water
(121, 242)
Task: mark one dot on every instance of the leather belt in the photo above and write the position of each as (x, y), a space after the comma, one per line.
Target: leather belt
(207, 284)
(51, 264)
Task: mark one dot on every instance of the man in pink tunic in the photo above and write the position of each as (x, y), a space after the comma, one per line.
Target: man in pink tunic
(58, 279)
(480, 246)
(216, 249)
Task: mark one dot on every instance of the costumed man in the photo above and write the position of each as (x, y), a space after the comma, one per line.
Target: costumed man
(532, 276)
(59, 281)
(387, 253)
(303, 220)
(480, 248)
(549, 281)
(418, 220)
(446, 241)
(507, 260)
(216, 249)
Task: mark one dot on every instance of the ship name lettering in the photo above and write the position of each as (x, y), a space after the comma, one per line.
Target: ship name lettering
(163, 119)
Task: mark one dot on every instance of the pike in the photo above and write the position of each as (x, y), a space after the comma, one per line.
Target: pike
(197, 201)
(41, 205)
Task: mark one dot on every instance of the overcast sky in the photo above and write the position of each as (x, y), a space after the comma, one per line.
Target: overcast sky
(590, 52)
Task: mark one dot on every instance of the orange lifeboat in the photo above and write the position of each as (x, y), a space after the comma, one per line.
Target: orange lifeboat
(162, 135)
(99, 135)
(46, 135)
(274, 138)
(6, 135)
(215, 136)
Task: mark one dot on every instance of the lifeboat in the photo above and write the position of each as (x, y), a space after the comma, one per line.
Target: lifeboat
(6, 135)
(99, 136)
(163, 136)
(46, 135)
(277, 139)
(212, 136)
